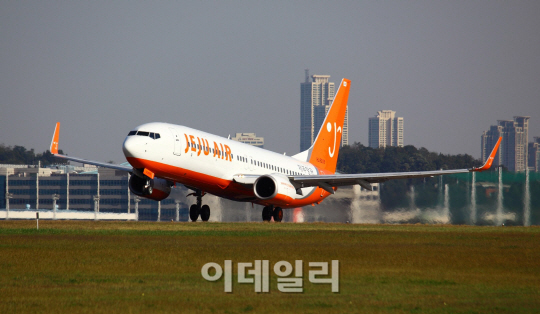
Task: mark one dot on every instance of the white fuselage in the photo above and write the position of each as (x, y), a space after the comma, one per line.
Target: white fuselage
(209, 162)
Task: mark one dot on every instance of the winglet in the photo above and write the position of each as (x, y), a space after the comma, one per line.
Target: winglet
(489, 161)
(54, 142)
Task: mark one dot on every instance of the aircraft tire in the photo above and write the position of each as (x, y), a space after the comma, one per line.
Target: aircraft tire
(278, 214)
(194, 212)
(205, 213)
(267, 213)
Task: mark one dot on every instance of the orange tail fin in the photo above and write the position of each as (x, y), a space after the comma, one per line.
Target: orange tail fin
(54, 141)
(324, 152)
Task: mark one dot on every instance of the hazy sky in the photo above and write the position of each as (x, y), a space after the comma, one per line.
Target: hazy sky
(450, 68)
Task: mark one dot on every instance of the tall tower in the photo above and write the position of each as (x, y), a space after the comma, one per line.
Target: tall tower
(385, 129)
(316, 96)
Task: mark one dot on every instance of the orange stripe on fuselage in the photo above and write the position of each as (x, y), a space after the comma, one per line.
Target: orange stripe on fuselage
(216, 186)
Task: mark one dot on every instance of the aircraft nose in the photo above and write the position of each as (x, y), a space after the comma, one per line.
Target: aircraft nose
(129, 147)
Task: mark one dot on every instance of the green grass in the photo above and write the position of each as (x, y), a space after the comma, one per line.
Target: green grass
(140, 267)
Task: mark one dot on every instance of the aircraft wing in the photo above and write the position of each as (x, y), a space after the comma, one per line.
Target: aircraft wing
(54, 151)
(246, 179)
(365, 179)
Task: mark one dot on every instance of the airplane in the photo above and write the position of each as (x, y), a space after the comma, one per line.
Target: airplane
(162, 155)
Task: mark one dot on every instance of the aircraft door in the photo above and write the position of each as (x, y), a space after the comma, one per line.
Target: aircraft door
(177, 142)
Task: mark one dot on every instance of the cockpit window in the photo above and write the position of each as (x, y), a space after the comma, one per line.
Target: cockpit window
(144, 133)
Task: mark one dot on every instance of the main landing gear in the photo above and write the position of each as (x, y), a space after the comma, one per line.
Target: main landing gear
(269, 212)
(196, 209)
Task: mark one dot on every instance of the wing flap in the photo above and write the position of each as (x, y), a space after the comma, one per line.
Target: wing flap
(365, 179)
(95, 163)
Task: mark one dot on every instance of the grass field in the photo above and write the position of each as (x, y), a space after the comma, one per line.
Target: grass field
(141, 267)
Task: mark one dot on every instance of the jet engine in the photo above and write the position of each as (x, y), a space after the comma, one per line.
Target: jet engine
(156, 189)
(275, 188)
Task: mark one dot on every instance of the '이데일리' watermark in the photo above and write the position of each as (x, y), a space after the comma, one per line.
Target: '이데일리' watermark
(258, 273)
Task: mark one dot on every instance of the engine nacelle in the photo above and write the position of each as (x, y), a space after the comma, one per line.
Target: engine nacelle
(277, 189)
(156, 189)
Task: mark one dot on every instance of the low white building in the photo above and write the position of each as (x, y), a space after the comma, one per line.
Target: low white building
(249, 138)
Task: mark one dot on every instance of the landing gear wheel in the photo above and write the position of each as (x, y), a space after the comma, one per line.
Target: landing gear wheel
(197, 209)
(205, 212)
(278, 214)
(194, 212)
(267, 213)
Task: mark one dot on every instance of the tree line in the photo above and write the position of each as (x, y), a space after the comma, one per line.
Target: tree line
(358, 158)
(19, 155)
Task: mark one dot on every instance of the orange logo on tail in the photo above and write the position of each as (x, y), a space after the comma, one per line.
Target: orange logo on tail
(329, 128)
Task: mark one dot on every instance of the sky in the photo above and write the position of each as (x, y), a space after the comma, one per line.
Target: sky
(101, 68)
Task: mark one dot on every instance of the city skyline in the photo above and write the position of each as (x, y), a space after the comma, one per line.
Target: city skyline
(450, 69)
(513, 151)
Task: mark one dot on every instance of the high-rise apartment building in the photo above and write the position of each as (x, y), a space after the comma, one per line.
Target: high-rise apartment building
(534, 155)
(385, 129)
(513, 152)
(316, 96)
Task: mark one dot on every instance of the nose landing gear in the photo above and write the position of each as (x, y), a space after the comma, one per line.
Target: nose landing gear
(196, 209)
(270, 212)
